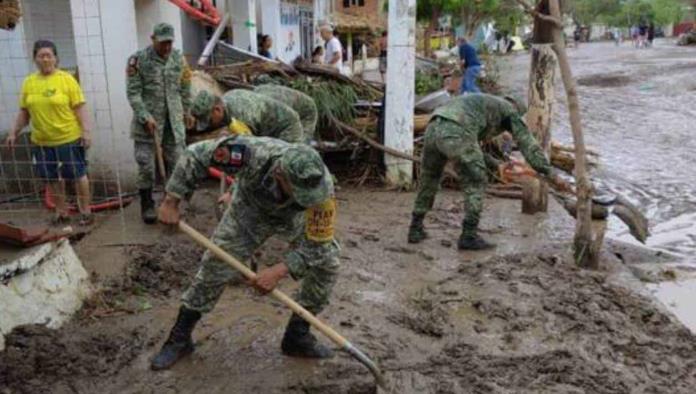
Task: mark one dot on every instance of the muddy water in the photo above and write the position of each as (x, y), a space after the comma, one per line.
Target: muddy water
(638, 112)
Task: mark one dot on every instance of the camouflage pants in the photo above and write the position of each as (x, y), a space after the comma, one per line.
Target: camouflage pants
(240, 232)
(444, 141)
(146, 158)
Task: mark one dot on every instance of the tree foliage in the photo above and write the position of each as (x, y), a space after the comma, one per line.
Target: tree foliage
(625, 12)
(473, 13)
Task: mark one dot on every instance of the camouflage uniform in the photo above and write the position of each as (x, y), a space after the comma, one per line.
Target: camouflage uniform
(304, 105)
(158, 89)
(259, 210)
(262, 115)
(455, 133)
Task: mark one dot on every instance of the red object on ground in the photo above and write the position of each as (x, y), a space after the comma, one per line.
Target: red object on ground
(217, 174)
(112, 203)
(31, 235)
(206, 13)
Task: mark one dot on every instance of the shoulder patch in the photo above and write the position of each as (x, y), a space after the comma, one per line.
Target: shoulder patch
(321, 221)
(231, 157)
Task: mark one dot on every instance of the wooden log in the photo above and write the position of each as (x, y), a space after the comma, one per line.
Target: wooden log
(534, 196)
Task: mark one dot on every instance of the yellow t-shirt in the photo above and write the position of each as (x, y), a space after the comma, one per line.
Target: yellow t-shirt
(50, 101)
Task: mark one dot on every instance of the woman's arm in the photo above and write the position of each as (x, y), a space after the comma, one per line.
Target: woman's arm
(83, 118)
(21, 122)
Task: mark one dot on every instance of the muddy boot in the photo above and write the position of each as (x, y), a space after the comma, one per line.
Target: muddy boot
(299, 342)
(147, 206)
(416, 231)
(473, 242)
(179, 343)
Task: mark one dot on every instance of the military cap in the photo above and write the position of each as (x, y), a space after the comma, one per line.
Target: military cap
(163, 32)
(201, 108)
(307, 175)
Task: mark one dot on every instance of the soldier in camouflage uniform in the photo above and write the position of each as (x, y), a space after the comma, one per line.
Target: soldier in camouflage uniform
(455, 133)
(304, 105)
(159, 91)
(243, 109)
(283, 189)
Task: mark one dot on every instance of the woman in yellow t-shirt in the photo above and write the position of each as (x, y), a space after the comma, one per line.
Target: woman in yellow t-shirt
(53, 101)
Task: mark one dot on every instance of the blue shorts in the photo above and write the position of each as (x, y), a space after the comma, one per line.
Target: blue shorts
(67, 161)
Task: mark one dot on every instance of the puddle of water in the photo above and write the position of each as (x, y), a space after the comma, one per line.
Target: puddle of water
(679, 298)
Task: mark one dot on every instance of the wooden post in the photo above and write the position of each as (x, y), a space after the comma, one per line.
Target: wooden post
(542, 94)
(535, 196)
(585, 254)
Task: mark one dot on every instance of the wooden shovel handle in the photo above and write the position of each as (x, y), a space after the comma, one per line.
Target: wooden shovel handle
(249, 274)
(160, 157)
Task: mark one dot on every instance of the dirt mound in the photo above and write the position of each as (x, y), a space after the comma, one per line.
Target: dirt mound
(37, 358)
(164, 268)
(533, 323)
(604, 80)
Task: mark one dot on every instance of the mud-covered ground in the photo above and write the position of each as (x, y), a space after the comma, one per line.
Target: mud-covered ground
(637, 112)
(519, 319)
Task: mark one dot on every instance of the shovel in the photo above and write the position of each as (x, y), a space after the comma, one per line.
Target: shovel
(335, 337)
(160, 157)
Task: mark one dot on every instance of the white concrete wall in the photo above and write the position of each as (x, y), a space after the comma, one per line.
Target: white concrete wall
(50, 20)
(244, 24)
(15, 64)
(148, 13)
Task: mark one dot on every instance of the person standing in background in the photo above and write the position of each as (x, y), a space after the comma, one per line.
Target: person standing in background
(265, 45)
(52, 100)
(471, 66)
(158, 87)
(333, 54)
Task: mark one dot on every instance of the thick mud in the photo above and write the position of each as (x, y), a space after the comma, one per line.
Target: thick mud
(520, 318)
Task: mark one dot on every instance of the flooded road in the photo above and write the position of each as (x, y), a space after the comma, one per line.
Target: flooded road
(638, 112)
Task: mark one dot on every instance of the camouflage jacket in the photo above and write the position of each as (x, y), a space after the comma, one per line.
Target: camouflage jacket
(486, 116)
(158, 89)
(301, 103)
(265, 116)
(256, 197)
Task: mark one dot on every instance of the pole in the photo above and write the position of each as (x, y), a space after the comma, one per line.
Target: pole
(400, 89)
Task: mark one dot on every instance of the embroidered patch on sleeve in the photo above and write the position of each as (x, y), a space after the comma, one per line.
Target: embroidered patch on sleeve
(321, 221)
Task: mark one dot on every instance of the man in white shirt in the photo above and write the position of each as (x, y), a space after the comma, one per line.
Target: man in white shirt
(333, 54)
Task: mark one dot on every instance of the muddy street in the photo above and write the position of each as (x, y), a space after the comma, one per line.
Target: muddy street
(521, 318)
(637, 112)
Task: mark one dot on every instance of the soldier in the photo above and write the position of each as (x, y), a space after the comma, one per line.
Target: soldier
(246, 112)
(301, 103)
(454, 133)
(283, 189)
(159, 91)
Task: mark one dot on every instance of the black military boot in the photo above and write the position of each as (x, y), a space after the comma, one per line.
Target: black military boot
(179, 343)
(147, 206)
(473, 242)
(299, 342)
(416, 231)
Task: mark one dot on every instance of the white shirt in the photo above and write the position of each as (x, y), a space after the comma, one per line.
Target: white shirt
(333, 46)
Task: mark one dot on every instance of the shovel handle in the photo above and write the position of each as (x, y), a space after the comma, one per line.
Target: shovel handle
(160, 157)
(335, 337)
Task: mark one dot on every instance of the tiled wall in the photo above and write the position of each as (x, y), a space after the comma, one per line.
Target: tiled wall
(14, 66)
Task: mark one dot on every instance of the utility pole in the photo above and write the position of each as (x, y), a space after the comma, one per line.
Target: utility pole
(400, 89)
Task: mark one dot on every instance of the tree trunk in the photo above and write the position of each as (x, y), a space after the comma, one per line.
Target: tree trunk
(542, 93)
(585, 251)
